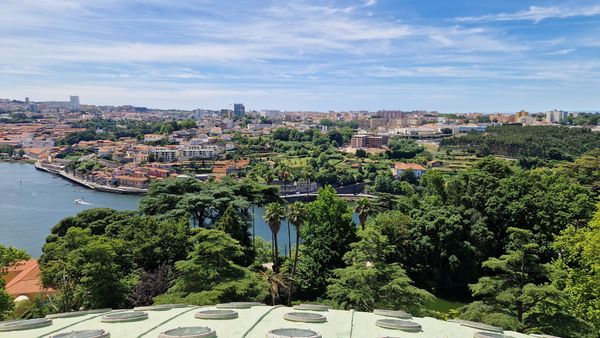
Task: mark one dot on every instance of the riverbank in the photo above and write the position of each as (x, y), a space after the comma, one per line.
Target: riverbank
(90, 185)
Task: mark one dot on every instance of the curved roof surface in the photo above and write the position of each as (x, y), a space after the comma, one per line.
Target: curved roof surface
(254, 322)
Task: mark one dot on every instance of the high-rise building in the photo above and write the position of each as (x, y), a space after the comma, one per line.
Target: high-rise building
(556, 116)
(74, 100)
(238, 110)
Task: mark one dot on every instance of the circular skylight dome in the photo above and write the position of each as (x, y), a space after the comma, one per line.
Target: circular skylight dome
(216, 314)
(490, 335)
(126, 316)
(25, 324)
(83, 334)
(189, 332)
(235, 305)
(392, 313)
(305, 317)
(293, 333)
(396, 324)
(77, 313)
(163, 307)
(481, 326)
(311, 307)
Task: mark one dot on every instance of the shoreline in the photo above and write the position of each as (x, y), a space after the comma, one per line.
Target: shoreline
(90, 185)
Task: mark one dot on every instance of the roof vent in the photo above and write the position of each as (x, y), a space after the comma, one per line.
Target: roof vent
(163, 307)
(216, 314)
(25, 324)
(236, 305)
(293, 333)
(84, 334)
(490, 335)
(125, 316)
(392, 313)
(396, 324)
(305, 317)
(189, 332)
(480, 326)
(312, 307)
(77, 313)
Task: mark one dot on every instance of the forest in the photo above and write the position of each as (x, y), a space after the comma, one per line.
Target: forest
(533, 145)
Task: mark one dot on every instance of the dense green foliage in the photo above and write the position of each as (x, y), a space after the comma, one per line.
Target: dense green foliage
(209, 274)
(528, 143)
(517, 294)
(400, 148)
(373, 278)
(577, 270)
(94, 259)
(327, 234)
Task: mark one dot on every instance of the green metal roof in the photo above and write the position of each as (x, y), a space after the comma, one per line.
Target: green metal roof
(254, 322)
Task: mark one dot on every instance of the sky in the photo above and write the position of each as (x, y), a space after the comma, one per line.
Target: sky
(449, 56)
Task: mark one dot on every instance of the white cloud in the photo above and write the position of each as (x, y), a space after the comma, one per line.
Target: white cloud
(535, 14)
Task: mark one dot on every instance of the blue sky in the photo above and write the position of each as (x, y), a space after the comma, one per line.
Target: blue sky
(451, 56)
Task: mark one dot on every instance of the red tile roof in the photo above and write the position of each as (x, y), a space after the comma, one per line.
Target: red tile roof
(406, 166)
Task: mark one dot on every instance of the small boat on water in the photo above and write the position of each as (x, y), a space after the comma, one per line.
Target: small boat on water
(81, 201)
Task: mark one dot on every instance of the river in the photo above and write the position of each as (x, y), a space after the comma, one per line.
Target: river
(33, 201)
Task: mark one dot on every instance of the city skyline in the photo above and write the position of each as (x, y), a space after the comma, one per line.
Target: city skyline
(501, 56)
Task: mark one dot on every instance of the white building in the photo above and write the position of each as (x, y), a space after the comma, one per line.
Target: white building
(191, 151)
(556, 116)
(164, 154)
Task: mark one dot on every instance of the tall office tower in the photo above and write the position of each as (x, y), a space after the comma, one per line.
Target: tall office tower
(238, 109)
(74, 100)
(27, 100)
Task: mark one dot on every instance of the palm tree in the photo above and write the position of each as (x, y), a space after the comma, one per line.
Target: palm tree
(363, 208)
(276, 282)
(297, 216)
(274, 214)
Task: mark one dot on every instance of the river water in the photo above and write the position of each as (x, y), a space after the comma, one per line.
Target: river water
(33, 201)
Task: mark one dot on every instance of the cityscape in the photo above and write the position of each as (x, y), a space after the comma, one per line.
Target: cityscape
(339, 169)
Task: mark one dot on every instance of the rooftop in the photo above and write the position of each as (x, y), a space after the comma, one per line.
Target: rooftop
(252, 322)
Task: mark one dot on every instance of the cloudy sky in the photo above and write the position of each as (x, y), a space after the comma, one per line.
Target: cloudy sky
(459, 55)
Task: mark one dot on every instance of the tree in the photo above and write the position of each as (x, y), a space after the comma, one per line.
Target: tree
(327, 234)
(237, 227)
(209, 274)
(150, 285)
(297, 216)
(514, 287)
(274, 214)
(443, 253)
(90, 271)
(577, 270)
(363, 208)
(400, 148)
(9, 256)
(372, 280)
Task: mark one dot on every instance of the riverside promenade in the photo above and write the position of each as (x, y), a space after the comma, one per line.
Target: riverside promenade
(90, 185)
